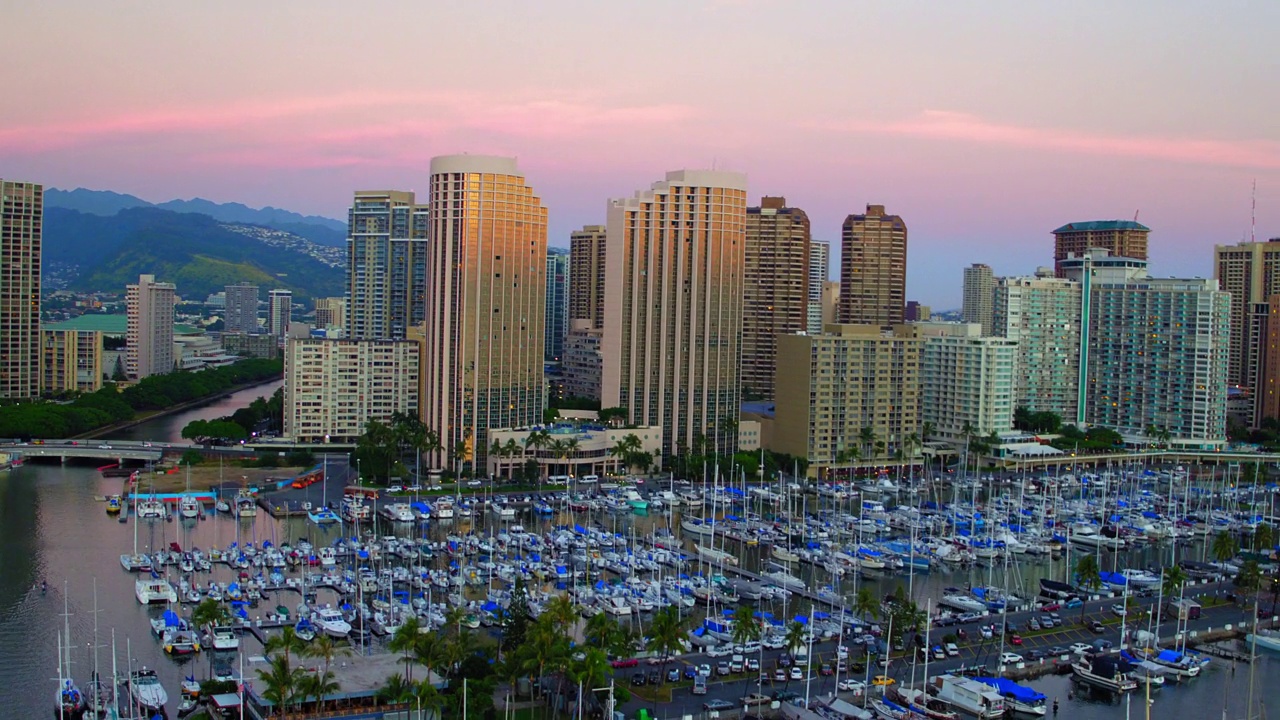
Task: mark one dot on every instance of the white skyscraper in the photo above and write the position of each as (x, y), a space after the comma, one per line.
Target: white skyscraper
(279, 308)
(149, 334)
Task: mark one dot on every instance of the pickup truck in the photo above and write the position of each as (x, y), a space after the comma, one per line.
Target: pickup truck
(755, 699)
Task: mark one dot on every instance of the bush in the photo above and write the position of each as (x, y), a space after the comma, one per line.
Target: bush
(300, 458)
(191, 457)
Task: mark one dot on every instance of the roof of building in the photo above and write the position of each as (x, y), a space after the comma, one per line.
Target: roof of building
(1094, 225)
(108, 324)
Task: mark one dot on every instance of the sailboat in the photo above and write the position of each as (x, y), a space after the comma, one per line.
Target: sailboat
(188, 506)
(100, 695)
(135, 562)
(69, 702)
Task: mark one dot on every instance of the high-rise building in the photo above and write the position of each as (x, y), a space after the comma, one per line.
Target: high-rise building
(819, 275)
(241, 314)
(1042, 314)
(1267, 392)
(71, 360)
(486, 302)
(966, 380)
(1250, 271)
(333, 387)
(586, 275)
(330, 312)
(21, 230)
(830, 302)
(673, 308)
(279, 312)
(841, 382)
(1155, 354)
(776, 273)
(557, 318)
(386, 264)
(581, 364)
(149, 337)
(873, 269)
(979, 296)
(1121, 238)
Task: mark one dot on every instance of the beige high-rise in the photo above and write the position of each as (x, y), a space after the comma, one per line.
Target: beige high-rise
(333, 387)
(776, 294)
(835, 384)
(21, 219)
(1250, 271)
(873, 269)
(673, 308)
(71, 360)
(330, 312)
(486, 302)
(386, 264)
(979, 297)
(586, 275)
(149, 335)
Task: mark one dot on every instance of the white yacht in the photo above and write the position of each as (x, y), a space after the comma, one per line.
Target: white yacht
(154, 590)
(328, 556)
(332, 623)
(150, 509)
(135, 563)
(963, 602)
(224, 638)
(189, 506)
(246, 504)
(442, 510)
(716, 556)
(502, 511)
(971, 696)
(147, 691)
(398, 512)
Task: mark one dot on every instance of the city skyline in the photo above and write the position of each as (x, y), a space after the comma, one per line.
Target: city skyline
(987, 132)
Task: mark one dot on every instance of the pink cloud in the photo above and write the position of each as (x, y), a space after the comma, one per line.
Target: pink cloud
(945, 125)
(348, 119)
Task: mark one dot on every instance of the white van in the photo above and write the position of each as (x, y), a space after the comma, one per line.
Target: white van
(589, 479)
(558, 480)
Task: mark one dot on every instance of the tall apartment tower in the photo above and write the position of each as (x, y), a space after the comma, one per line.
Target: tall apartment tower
(242, 309)
(1043, 315)
(979, 296)
(1121, 238)
(279, 312)
(1267, 392)
(21, 220)
(386, 264)
(1250, 271)
(486, 303)
(149, 334)
(819, 275)
(873, 269)
(673, 308)
(586, 275)
(557, 318)
(776, 295)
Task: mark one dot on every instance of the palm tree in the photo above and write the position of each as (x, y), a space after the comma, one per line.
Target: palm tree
(1224, 548)
(626, 449)
(560, 609)
(600, 631)
(794, 640)
(324, 648)
(287, 642)
(746, 627)
(865, 604)
(1263, 538)
(319, 686)
(396, 691)
(428, 698)
(538, 440)
(666, 636)
(453, 618)
(1087, 574)
(592, 670)
(1250, 576)
(282, 682)
(867, 436)
(210, 613)
(404, 642)
(547, 649)
(428, 651)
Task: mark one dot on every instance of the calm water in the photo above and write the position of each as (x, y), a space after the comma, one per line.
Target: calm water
(169, 428)
(52, 527)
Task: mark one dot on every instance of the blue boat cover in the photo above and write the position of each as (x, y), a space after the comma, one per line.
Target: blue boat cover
(1009, 688)
(171, 619)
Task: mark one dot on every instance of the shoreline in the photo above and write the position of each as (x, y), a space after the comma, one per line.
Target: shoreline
(97, 433)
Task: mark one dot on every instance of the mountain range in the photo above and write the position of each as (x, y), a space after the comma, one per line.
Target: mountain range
(200, 254)
(321, 230)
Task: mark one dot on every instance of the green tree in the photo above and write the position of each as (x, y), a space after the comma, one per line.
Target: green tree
(601, 631)
(376, 451)
(865, 604)
(396, 690)
(666, 634)
(867, 436)
(518, 617)
(1224, 548)
(282, 683)
(404, 641)
(1250, 576)
(287, 643)
(793, 640)
(1087, 575)
(324, 648)
(1264, 538)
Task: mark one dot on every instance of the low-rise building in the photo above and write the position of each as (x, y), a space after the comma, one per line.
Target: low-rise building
(575, 449)
(254, 345)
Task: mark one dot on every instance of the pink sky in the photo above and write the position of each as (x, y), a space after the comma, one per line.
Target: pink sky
(983, 125)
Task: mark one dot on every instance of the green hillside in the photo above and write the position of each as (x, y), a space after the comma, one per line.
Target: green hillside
(193, 251)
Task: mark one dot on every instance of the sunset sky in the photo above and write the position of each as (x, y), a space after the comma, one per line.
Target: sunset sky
(984, 124)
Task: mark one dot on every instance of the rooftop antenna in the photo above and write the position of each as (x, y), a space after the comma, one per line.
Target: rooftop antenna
(1253, 212)
(1135, 214)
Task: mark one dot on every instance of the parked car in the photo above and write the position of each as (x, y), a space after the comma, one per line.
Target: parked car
(882, 681)
(784, 660)
(718, 704)
(952, 649)
(699, 685)
(637, 679)
(1119, 610)
(939, 653)
(1081, 648)
(1057, 651)
(625, 663)
(756, 699)
(655, 677)
(673, 675)
(1010, 658)
(718, 651)
(722, 668)
(1015, 639)
(851, 685)
(1096, 626)
(797, 673)
(779, 675)
(1033, 625)
(826, 669)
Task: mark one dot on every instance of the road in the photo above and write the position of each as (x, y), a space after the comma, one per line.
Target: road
(976, 651)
